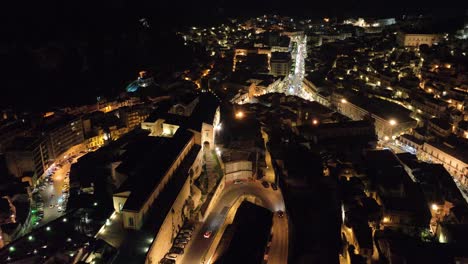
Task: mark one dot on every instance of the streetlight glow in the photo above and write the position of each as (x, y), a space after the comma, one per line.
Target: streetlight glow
(239, 114)
(392, 122)
(315, 121)
(435, 207)
(343, 101)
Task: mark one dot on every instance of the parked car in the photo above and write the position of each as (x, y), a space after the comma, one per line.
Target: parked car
(207, 234)
(280, 213)
(274, 186)
(186, 231)
(179, 245)
(183, 237)
(238, 181)
(171, 256)
(265, 184)
(188, 227)
(167, 261)
(181, 241)
(176, 250)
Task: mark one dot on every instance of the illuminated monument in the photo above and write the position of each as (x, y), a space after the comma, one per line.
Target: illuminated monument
(144, 80)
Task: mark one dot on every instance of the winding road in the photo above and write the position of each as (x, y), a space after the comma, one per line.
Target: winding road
(270, 199)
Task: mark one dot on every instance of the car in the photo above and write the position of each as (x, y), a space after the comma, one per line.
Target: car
(188, 227)
(274, 186)
(280, 213)
(167, 261)
(171, 256)
(186, 231)
(238, 181)
(176, 250)
(207, 234)
(181, 241)
(183, 237)
(179, 245)
(265, 184)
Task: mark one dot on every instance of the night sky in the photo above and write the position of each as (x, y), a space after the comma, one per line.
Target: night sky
(44, 42)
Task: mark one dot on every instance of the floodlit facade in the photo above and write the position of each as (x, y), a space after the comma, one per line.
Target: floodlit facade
(453, 159)
(415, 40)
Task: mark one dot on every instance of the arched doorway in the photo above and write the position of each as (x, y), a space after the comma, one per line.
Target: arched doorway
(206, 145)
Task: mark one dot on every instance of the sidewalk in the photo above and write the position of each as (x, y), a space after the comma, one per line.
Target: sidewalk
(211, 170)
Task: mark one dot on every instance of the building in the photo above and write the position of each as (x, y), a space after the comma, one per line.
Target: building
(137, 194)
(390, 119)
(202, 119)
(415, 40)
(333, 38)
(462, 129)
(280, 63)
(410, 143)
(132, 116)
(439, 127)
(238, 165)
(10, 129)
(429, 107)
(319, 95)
(241, 53)
(326, 132)
(62, 133)
(404, 206)
(27, 156)
(452, 156)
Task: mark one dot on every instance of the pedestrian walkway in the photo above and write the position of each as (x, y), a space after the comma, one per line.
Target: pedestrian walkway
(211, 169)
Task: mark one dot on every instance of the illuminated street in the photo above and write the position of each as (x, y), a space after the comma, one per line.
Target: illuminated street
(54, 192)
(269, 171)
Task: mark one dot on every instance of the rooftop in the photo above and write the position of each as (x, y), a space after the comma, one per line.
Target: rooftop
(147, 152)
(457, 151)
(252, 230)
(280, 57)
(442, 123)
(135, 245)
(204, 112)
(382, 108)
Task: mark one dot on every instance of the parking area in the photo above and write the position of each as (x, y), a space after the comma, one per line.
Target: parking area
(181, 241)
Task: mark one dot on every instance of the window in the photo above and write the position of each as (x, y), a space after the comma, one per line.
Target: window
(130, 221)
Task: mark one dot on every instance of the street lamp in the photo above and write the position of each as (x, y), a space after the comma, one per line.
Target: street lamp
(315, 121)
(239, 114)
(392, 123)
